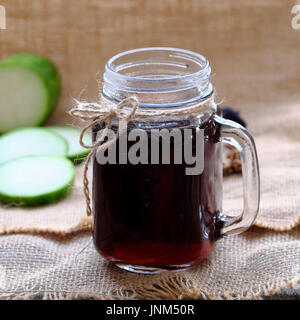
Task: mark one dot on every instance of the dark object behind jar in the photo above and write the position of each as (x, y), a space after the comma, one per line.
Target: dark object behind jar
(233, 115)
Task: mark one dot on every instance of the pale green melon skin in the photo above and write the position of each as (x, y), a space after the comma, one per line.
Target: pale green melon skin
(46, 71)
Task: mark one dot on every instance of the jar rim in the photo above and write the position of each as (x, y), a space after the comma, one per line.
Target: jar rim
(158, 76)
(205, 69)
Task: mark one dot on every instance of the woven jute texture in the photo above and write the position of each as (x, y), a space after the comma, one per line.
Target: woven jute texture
(255, 58)
(254, 265)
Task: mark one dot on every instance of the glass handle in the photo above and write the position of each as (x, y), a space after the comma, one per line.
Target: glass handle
(236, 135)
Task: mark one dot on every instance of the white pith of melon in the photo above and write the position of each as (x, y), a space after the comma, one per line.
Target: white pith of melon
(31, 141)
(35, 180)
(35, 175)
(23, 98)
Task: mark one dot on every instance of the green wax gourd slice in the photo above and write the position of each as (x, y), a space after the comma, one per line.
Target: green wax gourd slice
(31, 141)
(76, 152)
(35, 180)
(30, 86)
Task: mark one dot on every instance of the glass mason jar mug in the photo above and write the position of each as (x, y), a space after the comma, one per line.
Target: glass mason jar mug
(153, 214)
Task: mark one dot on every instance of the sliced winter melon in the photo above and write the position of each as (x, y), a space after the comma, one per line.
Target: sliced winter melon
(35, 180)
(31, 141)
(29, 90)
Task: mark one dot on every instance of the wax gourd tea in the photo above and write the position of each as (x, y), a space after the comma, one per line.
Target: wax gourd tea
(154, 211)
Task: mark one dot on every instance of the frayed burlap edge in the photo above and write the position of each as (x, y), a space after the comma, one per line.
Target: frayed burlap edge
(85, 224)
(277, 228)
(172, 288)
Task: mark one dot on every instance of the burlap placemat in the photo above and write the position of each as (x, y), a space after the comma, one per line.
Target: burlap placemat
(250, 266)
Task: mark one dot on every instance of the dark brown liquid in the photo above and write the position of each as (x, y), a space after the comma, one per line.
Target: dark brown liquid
(156, 215)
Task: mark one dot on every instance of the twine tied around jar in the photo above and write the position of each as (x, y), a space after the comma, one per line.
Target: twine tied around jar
(125, 111)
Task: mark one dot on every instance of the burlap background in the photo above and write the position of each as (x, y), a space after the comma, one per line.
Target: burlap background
(254, 53)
